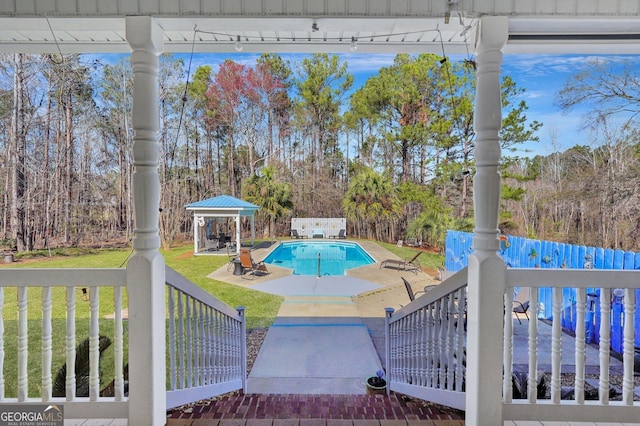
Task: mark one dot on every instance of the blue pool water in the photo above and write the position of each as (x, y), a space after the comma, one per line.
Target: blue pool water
(335, 257)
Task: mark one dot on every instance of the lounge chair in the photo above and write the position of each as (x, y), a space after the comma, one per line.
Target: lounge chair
(249, 266)
(521, 303)
(341, 235)
(403, 265)
(413, 242)
(294, 234)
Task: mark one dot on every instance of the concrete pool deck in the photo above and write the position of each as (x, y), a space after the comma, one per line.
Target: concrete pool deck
(323, 340)
(376, 277)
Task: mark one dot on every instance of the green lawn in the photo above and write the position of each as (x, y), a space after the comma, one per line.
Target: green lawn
(261, 308)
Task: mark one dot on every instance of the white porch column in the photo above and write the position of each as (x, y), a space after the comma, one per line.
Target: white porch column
(486, 268)
(145, 270)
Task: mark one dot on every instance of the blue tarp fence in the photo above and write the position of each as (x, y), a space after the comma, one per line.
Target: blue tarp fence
(519, 252)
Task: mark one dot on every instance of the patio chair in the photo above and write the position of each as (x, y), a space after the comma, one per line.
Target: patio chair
(402, 264)
(211, 244)
(294, 234)
(249, 266)
(411, 293)
(341, 235)
(521, 302)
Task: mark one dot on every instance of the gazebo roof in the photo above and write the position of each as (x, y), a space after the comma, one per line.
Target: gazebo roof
(224, 202)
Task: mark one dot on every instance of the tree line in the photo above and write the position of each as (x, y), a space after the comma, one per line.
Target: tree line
(394, 156)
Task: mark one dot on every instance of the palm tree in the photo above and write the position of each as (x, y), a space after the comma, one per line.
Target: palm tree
(372, 203)
(273, 197)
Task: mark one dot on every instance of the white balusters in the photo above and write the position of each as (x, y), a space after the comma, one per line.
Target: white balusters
(70, 381)
(243, 346)
(532, 345)
(460, 338)
(451, 341)
(507, 350)
(442, 343)
(580, 351)
(427, 346)
(200, 346)
(206, 341)
(46, 344)
(181, 342)
(403, 371)
(23, 354)
(208, 348)
(94, 344)
(217, 348)
(412, 346)
(418, 348)
(226, 351)
(431, 346)
(628, 345)
(433, 352)
(197, 343)
(171, 309)
(604, 345)
(556, 346)
(118, 351)
(1, 343)
(189, 342)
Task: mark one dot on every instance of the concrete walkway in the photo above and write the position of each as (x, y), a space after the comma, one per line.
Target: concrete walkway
(317, 345)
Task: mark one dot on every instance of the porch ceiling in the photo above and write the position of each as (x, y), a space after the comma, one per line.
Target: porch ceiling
(391, 26)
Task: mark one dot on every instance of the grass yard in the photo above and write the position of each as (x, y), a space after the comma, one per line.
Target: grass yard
(261, 309)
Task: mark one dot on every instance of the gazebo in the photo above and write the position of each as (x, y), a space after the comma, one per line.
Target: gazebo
(208, 236)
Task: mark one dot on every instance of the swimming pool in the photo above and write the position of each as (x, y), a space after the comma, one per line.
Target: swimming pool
(332, 257)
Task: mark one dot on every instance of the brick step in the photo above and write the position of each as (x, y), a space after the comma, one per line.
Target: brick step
(237, 409)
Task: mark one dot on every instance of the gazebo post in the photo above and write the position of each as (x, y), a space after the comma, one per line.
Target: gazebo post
(195, 233)
(253, 228)
(238, 232)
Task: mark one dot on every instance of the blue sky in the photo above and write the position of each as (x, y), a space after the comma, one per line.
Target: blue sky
(542, 76)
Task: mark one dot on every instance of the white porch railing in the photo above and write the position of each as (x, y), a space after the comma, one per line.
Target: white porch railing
(206, 339)
(426, 339)
(426, 343)
(21, 282)
(206, 343)
(557, 409)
